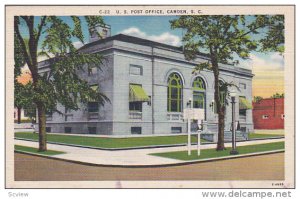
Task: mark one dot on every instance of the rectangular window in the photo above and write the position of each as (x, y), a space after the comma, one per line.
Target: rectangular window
(176, 130)
(265, 117)
(136, 106)
(68, 129)
(93, 107)
(135, 70)
(136, 130)
(198, 100)
(174, 99)
(242, 112)
(242, 108)
(48, 129)
(92, 130)
(242, 85)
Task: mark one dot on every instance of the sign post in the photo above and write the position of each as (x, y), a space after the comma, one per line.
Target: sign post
(189, 135)
(197, 114)
(199, 142)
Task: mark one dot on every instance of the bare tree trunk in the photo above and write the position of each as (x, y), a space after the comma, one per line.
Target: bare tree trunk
(221, 117)
(19, 115)
(42, 127)
(220, 109)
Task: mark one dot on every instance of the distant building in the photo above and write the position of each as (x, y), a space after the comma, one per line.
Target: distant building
(268, 113)
(22, 113)
(149, 84)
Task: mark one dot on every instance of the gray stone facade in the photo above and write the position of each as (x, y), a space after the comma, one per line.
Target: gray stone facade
(154, 63)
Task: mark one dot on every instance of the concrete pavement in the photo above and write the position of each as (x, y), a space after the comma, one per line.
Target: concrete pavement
(134, 157)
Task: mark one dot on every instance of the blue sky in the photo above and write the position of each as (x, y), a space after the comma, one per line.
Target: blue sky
(268, 68)
(265, 66)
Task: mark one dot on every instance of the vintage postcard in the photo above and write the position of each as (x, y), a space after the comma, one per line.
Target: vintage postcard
(150, 96)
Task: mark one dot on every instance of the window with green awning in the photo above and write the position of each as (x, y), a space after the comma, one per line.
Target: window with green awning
(244, 104)
(94, 87)
(137, 94)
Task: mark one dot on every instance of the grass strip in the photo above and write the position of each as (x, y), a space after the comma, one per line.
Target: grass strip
(212, 153)
(110, 142)
(255, 136)
(35, 150)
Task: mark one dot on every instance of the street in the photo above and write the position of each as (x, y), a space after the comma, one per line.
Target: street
(263, 167)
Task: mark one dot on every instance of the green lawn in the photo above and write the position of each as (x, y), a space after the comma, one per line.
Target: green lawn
(255, 135)
(111, 142)
(34, 150)
(212, 153)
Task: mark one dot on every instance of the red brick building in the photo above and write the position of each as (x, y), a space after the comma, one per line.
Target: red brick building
(268, 113)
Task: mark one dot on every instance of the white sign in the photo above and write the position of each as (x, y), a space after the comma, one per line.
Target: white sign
(193, 113)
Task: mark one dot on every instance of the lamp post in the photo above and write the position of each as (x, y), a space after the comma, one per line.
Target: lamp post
(190, 106)
(233, 151)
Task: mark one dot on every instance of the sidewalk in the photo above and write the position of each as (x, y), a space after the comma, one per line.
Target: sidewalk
(136, 157)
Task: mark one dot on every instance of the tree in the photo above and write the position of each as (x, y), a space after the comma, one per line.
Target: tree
(53, 37)
(223, 38)
(257, 98)
(277, 95)
(23, 99)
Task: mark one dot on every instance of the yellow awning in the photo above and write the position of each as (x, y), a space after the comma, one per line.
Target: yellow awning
(244, 103)
(95, 88)
(137, 94)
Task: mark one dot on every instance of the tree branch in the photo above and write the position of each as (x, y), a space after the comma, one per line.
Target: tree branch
(40, 27)
(26, 56)
(242, 35)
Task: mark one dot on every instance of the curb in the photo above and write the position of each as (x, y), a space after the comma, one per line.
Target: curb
(142, 147)
(115, 149)
(157, 165)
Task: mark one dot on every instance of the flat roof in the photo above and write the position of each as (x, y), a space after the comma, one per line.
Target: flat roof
(135, 40)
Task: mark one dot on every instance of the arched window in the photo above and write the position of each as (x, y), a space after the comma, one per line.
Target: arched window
(199, 93)
(174, 93)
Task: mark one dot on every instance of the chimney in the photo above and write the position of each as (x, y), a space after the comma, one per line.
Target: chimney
(103, 30)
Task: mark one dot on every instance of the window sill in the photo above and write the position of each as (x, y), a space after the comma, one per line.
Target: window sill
(175, 116)
(135, 115)
(93, 115)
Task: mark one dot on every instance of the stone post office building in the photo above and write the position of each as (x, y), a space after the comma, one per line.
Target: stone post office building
(149, 84)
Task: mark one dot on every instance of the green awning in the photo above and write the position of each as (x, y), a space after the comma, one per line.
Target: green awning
(95, 88)
(137, 94)
(244, 103)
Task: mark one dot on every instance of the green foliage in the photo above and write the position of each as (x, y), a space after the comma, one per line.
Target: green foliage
(93, 22)
(257, 98)
(275, 39)
(229, 35)
(61, 84)
(24, 120)
(103, 142)
(33, 150)
(212, 153)
(225, 37)
(18, 57)
(224, 90)
(277, 95)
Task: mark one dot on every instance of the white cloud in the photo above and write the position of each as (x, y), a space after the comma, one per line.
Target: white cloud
(272, 62)
(166, 37)
(275, 62)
